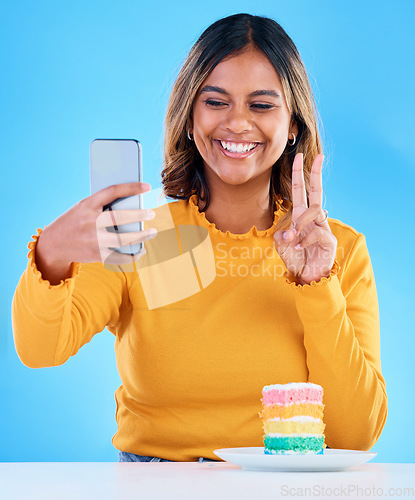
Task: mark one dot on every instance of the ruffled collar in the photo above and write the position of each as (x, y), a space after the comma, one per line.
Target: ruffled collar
(252, 232)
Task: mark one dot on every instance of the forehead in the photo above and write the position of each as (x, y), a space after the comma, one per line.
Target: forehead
(248, 71)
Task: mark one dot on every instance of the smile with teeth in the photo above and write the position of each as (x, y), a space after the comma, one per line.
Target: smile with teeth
(238, 147)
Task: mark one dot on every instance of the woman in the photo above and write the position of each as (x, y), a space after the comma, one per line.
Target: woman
(293, 297)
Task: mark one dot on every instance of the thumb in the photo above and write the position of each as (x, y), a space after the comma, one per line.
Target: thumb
(284, 238)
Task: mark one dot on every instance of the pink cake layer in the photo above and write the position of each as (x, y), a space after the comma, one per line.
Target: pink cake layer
(298, 393)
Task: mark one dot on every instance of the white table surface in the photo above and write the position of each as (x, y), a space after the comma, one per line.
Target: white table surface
(192, 480)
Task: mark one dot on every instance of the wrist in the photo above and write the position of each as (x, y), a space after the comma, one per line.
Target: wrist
(305, 281)
(51, 266)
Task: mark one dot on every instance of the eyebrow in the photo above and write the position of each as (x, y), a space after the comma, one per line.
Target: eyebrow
(220, 90)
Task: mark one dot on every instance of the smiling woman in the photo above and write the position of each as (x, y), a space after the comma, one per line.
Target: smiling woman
(242, 68)
(275, 293)
(235, 119)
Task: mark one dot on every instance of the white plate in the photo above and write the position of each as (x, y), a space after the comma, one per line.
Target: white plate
(330, 460)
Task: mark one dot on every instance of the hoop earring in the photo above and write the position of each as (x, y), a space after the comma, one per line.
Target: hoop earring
(188, 135)
(292, 143)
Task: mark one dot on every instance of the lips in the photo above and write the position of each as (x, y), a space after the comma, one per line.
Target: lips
(234, 149)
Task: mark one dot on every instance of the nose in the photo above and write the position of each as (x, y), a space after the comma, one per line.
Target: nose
(238, 119)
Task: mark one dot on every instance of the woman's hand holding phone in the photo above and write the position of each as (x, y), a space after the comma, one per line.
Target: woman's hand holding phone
(80, 234)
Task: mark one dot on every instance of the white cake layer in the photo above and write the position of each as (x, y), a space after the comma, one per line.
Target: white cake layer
(291, 452)
(292, 385)
(297, 418)
(303, 434)
(290, 404)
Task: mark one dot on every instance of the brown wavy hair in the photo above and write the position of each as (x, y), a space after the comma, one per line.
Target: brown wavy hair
(183, 171)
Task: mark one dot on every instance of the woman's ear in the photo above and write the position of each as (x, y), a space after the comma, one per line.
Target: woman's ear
(189, 125)
(293, 128)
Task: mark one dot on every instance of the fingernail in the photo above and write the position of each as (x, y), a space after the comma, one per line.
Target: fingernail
(152, 231)
(287, 235)
(297, 246)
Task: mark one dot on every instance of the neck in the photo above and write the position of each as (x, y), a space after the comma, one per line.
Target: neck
(237, 208)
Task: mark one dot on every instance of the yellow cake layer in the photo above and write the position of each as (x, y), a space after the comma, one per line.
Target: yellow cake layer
(292, 427)
(287, 411)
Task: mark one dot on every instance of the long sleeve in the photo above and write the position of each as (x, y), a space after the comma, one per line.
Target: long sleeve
(200, 363)
(340, 318)
(51, 323)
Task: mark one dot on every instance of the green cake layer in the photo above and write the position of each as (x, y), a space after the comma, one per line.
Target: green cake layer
(296, 444)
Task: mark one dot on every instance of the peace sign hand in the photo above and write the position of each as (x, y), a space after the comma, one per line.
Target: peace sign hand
(308, 248)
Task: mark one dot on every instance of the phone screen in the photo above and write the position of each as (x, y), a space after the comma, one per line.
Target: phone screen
(116, 161)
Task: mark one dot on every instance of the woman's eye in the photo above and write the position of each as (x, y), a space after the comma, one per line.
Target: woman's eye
(220, 104)
(262, 106)
(214, 104)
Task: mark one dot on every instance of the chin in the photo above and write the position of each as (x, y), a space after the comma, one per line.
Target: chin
(234, 175)
(234, 180)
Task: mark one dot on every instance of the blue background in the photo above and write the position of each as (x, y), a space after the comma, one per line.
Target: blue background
(74, 71)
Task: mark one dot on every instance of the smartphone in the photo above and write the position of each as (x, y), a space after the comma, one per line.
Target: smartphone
(115, 161)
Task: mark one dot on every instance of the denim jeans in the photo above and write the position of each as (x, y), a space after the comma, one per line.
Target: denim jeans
(124, 456)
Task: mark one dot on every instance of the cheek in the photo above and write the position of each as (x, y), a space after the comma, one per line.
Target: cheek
(276, 132)
(203, 124)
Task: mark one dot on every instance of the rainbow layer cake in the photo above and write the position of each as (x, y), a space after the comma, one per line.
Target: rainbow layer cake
(292, 418)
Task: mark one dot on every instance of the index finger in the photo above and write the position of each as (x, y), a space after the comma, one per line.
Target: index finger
(316, 183)
(299, 192)
(112, 193)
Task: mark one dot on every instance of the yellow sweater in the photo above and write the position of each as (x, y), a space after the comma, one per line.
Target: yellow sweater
(195, 344)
